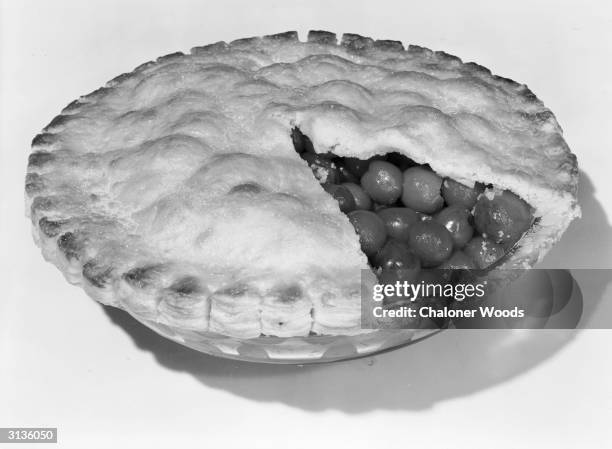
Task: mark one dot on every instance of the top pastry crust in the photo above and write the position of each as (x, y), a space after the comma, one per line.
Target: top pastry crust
(174, 191)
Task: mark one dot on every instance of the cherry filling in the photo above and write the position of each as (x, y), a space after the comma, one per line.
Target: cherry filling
(408, 217)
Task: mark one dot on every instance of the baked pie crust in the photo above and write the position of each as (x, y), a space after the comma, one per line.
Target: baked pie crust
(174, 191)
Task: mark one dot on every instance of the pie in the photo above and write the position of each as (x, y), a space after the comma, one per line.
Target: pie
(248, 189)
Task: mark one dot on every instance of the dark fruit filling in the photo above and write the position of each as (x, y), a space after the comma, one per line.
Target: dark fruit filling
(396, 255)
(431, 242)
(371, 230)
(422, 190)
(456, 219)
(408, 218)
(502, 217)
(383, 182)
(398, 221)
(361, 198)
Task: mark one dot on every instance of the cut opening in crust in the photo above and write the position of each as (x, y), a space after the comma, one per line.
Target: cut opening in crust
(408, 218)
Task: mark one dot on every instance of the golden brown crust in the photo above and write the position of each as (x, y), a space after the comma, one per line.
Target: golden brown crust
(136, 186)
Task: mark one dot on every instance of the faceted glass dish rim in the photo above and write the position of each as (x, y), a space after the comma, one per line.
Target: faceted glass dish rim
(313, 349)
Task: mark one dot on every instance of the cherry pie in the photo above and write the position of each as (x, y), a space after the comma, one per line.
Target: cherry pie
(242, 189)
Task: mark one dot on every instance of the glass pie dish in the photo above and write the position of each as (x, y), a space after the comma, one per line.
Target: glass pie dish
(291, 350)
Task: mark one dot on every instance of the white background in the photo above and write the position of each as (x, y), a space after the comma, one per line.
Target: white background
(66, 362)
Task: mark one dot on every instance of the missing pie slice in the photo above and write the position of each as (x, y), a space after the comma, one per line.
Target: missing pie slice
(242, 188)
